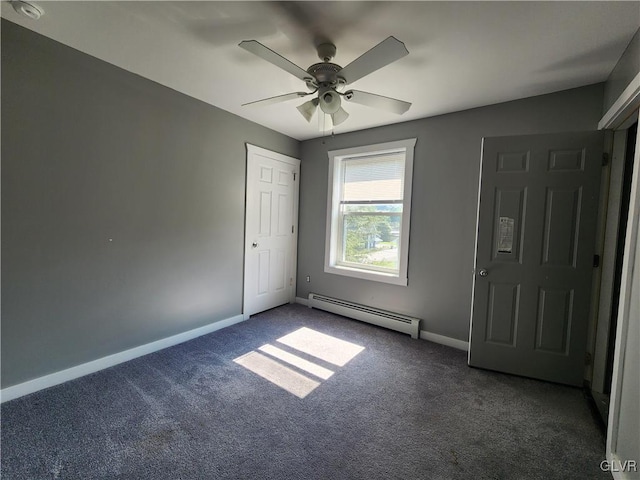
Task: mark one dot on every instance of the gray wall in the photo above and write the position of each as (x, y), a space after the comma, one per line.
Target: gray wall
(444, 202)
(90, 153)
(625, 70)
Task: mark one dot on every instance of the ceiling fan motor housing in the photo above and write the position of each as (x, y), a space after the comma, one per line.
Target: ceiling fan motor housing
(325, 73)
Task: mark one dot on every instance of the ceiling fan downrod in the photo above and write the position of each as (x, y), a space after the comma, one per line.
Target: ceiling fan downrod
(326, 51)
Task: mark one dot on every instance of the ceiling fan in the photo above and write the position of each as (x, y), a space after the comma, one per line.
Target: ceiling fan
(328, 80)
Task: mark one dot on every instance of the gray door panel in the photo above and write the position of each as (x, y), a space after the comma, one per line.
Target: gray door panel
(536, 237)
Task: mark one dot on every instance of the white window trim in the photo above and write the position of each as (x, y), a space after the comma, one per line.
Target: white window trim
(333, 198)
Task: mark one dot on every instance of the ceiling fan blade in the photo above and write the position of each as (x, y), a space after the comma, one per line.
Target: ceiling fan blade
(278, 99)
(340, 116)
(386, 52)
(377, 101)
(276, 59)
(308, 109)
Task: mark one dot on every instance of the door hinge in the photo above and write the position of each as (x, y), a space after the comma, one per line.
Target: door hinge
(294, 176)
(291, 282)
(587, 359)
(292, 228)
(596, 261)
(605, 159)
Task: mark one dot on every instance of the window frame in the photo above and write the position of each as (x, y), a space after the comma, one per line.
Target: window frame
(334, 230)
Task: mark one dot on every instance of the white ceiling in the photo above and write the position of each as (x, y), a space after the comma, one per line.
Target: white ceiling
(462, 54)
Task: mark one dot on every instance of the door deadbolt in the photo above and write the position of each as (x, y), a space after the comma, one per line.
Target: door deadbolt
(483, 272)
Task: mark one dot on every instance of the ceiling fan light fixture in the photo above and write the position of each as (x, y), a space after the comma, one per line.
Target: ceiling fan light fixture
(340, 116)
(307, 109)
(329, 101)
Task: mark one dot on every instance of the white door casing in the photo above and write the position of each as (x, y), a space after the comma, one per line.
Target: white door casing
(624, 382)
(624, 418)
(271, 230)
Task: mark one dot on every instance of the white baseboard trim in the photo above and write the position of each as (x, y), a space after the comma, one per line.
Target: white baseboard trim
(448, 341)
(432, 337)
(62, 376)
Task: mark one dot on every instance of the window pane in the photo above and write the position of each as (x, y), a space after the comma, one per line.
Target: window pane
(371, 240)
(371, 179)
(377, 207)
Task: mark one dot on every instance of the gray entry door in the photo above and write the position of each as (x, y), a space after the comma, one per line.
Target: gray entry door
(534, 254)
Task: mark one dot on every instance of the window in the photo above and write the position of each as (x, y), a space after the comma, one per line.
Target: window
(368, 211)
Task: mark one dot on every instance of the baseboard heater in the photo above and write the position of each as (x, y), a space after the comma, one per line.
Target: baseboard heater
(382, 318)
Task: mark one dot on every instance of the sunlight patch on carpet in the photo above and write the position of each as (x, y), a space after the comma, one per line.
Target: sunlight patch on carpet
(296, 361)
(325, 347)
(284, 368)
(275, 372)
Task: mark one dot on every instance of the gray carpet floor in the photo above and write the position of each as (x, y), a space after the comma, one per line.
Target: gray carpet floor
(397, 408)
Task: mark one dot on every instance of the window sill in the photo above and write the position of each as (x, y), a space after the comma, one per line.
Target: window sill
(366, 275)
